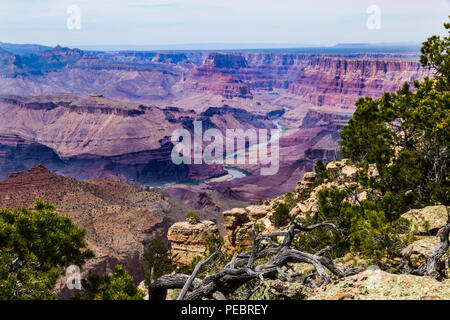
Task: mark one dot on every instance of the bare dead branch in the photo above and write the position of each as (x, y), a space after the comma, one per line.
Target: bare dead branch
(158, 289)
(429, 268)
(197, 268)
(243, 269)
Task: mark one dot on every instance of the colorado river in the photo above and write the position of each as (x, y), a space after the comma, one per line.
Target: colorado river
(237, 173)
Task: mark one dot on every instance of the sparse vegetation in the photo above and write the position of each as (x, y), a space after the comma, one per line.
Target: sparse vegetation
(117, 286)
(157, 261)
(195, 215)
(280, 216)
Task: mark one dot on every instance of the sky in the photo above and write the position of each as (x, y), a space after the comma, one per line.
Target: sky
(165, 22)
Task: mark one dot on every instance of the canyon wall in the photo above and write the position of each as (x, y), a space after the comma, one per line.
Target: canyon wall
(85, 136)
(98, 137)
(340, 82)
(166, 77)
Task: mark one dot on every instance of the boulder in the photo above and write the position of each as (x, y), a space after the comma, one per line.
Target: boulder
(187, 239)
(343, 170)
(427, 220)
(309, 176)
(257, 212)
(280, 290)
(350, 173)
(380, 285)
(301, 209)
(419, 251)
(235, 217)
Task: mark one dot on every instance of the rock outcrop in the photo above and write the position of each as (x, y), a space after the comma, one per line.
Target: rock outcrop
(375, 284)
(419, 251)
(187, 239)
(428, 220)
(428, 223)
(238, 224)
(239, 221)
(279, 290)
(226, 61)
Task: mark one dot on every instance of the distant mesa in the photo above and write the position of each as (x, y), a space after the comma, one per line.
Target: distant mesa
(228, 61)
(96, 95)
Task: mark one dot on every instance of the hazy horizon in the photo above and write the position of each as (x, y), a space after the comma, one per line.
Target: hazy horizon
(286, 23)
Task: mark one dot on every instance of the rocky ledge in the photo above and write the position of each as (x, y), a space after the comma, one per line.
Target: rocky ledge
(380, 285)
(188, 239)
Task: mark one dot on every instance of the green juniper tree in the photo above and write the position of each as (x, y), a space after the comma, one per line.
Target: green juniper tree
(35, 248)
(117, 286)
(157, 262)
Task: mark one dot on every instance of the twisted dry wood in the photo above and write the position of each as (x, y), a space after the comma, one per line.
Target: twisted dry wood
(429, 268)
(242, 268)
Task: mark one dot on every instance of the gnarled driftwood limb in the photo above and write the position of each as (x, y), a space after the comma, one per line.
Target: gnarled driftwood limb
(242, 268)
(429, 268)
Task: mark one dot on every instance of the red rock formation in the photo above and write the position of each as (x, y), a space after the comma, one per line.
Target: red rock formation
(226, 61)
(340, 82)
(98, 137)
(216, 75)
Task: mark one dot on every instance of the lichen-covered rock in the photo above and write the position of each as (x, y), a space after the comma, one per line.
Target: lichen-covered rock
(172, 294)
(352, 260)
(301, 209)
(257, 212)
(235, 217)
(303, 269)
(187, 239)
(428, 219)
(419, 251)
(243, 236)
(342, 170)
(380, 285)
(280, 290)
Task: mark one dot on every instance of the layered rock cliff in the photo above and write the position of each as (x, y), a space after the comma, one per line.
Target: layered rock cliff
(187, 239)
(340, 82)
(314, 91)
(217, 74)
(98, 137)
